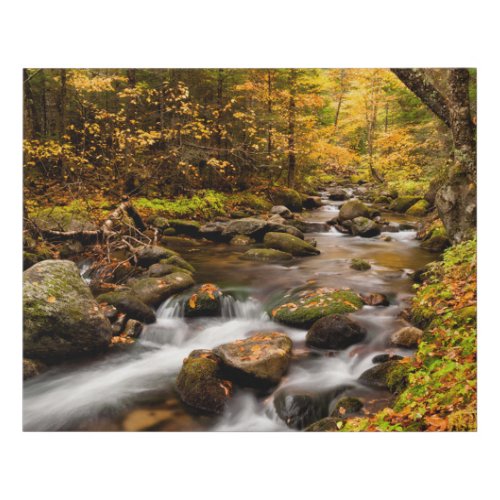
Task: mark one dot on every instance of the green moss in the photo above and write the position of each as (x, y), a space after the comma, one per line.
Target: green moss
(360, 265)
(403, 203)
(206, 203)
(178, 261)
(247, 200)
(287, 197)
(418, 209)
(397, 377)
(303, 312)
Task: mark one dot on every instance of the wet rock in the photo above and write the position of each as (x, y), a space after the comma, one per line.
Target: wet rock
(419, 209)
(153, 291)
(375, 299)
(382, 200)
(250, 226)
(303, 308)
(200, 384)
(149, 255)
(436, 243)
(333, 221)
(129, 304)
(161, 269)
(338, 194)
(299, 408)
(260, 360)
(408, 337)
(347, 407)
(70, 248)
(61, 318)
(352, 209)
(419, 275)
(403, 203)
(214, 231)
(407, 226)
(360, 265)
(362, 226)
(178, 261)
(284, 228)
(383, 358)
(241, 240)
(290, 244)
(266, 255)
(282, 211)
(328, 424)
(205, 301)
(335, 332)
(312, 202)
(187, 227)
(119, 324)
(133, 328)
(32, 368)
(391, 375)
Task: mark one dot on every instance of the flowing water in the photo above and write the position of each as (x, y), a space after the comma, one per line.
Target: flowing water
(107, 394)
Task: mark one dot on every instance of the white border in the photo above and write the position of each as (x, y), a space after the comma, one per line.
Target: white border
(248, 34)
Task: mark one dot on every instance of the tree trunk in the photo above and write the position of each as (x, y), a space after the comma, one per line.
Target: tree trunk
(456, 200)
(32, 122)
(291, 130)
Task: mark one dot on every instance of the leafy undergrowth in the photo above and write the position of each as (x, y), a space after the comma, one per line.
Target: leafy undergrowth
(441, 390)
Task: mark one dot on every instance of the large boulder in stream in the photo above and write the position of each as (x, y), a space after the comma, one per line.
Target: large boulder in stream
(290, 244)
(364, 227)
(187, 227)
(408, 336)
(266, 255)
(352, 209)
(303, 309)
(200, 384)
(282, 211)
(250, 226)
(403, 203)
(335, 332)
(149, 255)
(260, 360)
(391, 375)
(312, 202)
(129, 304)
(299, 408)
(287, 197)
(338, 194)
(205, 301)
(61, 318)
(153, 291)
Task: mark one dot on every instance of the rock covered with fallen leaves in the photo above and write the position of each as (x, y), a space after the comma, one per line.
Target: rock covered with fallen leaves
(200, 383)
(62, 320)
(260, 360)
(302, 309)
(205, 301)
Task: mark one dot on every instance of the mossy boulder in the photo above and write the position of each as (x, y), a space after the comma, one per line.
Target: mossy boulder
(129, 304)
(161, 269)
(214, 231)
(289, 244)
(364, 227)
(266, 255)
(391, 375)
(347, 407)
(148, 255)
(360, 265)
(299, 408)
(419, 209)
(436, 242)
(64, 218)
(154, 291)
(187, 227)
(382, 200)
(408, 337)
(403, 203)
(352, 209)
(200, 384)
(287, 197)
(328, 424)
(260, 360)
(335, 331)
(301, 310)
(205, 301)
(178, 261)
(61, 318)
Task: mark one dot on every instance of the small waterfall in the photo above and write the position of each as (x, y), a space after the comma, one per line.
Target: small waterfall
(242, 309)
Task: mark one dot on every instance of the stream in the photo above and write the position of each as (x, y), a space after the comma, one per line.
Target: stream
(128, 388)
